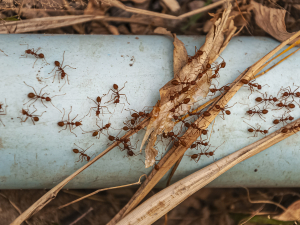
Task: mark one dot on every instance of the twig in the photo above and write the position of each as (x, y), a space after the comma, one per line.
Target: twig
(104, 189)
(83, 215)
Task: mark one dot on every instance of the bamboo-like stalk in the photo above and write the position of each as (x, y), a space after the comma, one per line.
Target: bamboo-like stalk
(164, 201)
(190, 136)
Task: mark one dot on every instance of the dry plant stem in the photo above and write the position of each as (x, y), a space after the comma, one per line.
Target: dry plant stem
(161, 203)
(81, 194)
(82, 216)
(104, 189)
(50, 195)
(190, 136)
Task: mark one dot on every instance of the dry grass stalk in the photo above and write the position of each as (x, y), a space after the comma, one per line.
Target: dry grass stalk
(161, 203)
(173, 155)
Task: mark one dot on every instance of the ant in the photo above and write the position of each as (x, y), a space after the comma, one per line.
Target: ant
(178, 141)
(285, 130)
(257, 130)
(34, 53)
(137, 115)
(116, 95)
(283, 119)
(36, 96)
(130, 127)
(34, 118)
(98, 107)
(197, 54)
(281, 105)
(197, 143)
(288, 92)
(185, 101)
(196, 157)
(61, 71)
(224, 110)
(215, 89)
(266, 99)
(194, 126)
(99, 131)
(3, 110)
(251, 85)
(251, 112)
(70, 123)
(82, 155)
(176, 82)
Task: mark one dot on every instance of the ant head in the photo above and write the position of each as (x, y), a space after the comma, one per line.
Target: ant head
(291, 118)
(156, 167)
(227, 112)
(223, 64)
(284, 130)
(31, 95)
(48, 99)
(204, 132)
(135, 115)
(280, 104)
(194, 125)
(193, 146)
(132, 121)
(244, 81)
(97, 112)
(78, 124)
(217, 107)
(111, 138)
(265, 131)
(285, 94)
(95, 133)
(291, 105)
(107, 125)
(194, 156)
(61, 124)
(41, 55)
(186, 100)
(165, 135)
(208, 66)
(213, 76)
(249, 111)
(175, 117)
(176, 143)
(141, 113)
(250, 130)
(36, 119)
(117, 101)
(28, 51)
(88, 158)
(75, 150)
(275, 99)
(205, 143)
(175, 82)
(130, 153)
(276, 121)
(98, 99)
(24, 112)
(259, 87)
(206, 114)
(211, 153)
(56, 63)
(297, 94)
(258, 99)
(226, 88)
(187, 125)
(264, 111)
(115, 86)
(125, 128)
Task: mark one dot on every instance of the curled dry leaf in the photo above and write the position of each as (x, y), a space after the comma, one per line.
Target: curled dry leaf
(173, 5)
(216, 41)
(292, 213)
(272, 21)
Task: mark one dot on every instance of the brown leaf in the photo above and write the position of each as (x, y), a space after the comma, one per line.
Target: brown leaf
(292, 213)
(173, 5)
(163, 31)
(272, 21)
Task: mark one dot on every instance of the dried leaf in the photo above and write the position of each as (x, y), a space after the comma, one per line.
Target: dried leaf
(272, 21)
(173, 5)
(213, 46)
(289, 215)
(164, 31)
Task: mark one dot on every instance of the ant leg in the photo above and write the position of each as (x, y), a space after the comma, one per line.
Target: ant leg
(32, 120)
(69, 66)
(31, 87)
(72, 129)
(123, 106)
(55, 107)
(74, 118)
(63, 58)
(63, 85)
(90, 110)
(34, 62)
(69, 114)
(2, 122)
(42, 89)
(122, 87)
(33, 102)
(126, 98)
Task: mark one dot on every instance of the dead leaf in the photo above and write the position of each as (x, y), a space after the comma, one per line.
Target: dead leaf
(296, 6)
(272, 21)
(163, 31)
(216, 40)
(291, 213)
(173, 5)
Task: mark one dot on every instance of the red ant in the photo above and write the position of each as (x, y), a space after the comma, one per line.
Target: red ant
(130, 127)
(194, 126)
(82, 155)
(283, 119)
(215, 89)
(185, 101)
(176, 82)
(34, 118)
(257, 130)
(196, 157)
(288, 92)
(224, 110)
(137, 115)
(251, 112)
(197, 54)
(285, 130)
(99, 131)
(61, 71)
(197, 143)
(98, 107)
(70, 123)
(116, 95)
(281, 105)
(3, 110)
(34, 53)
(251, 85)
(36, 96)
(266, 99)
(178, 141)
